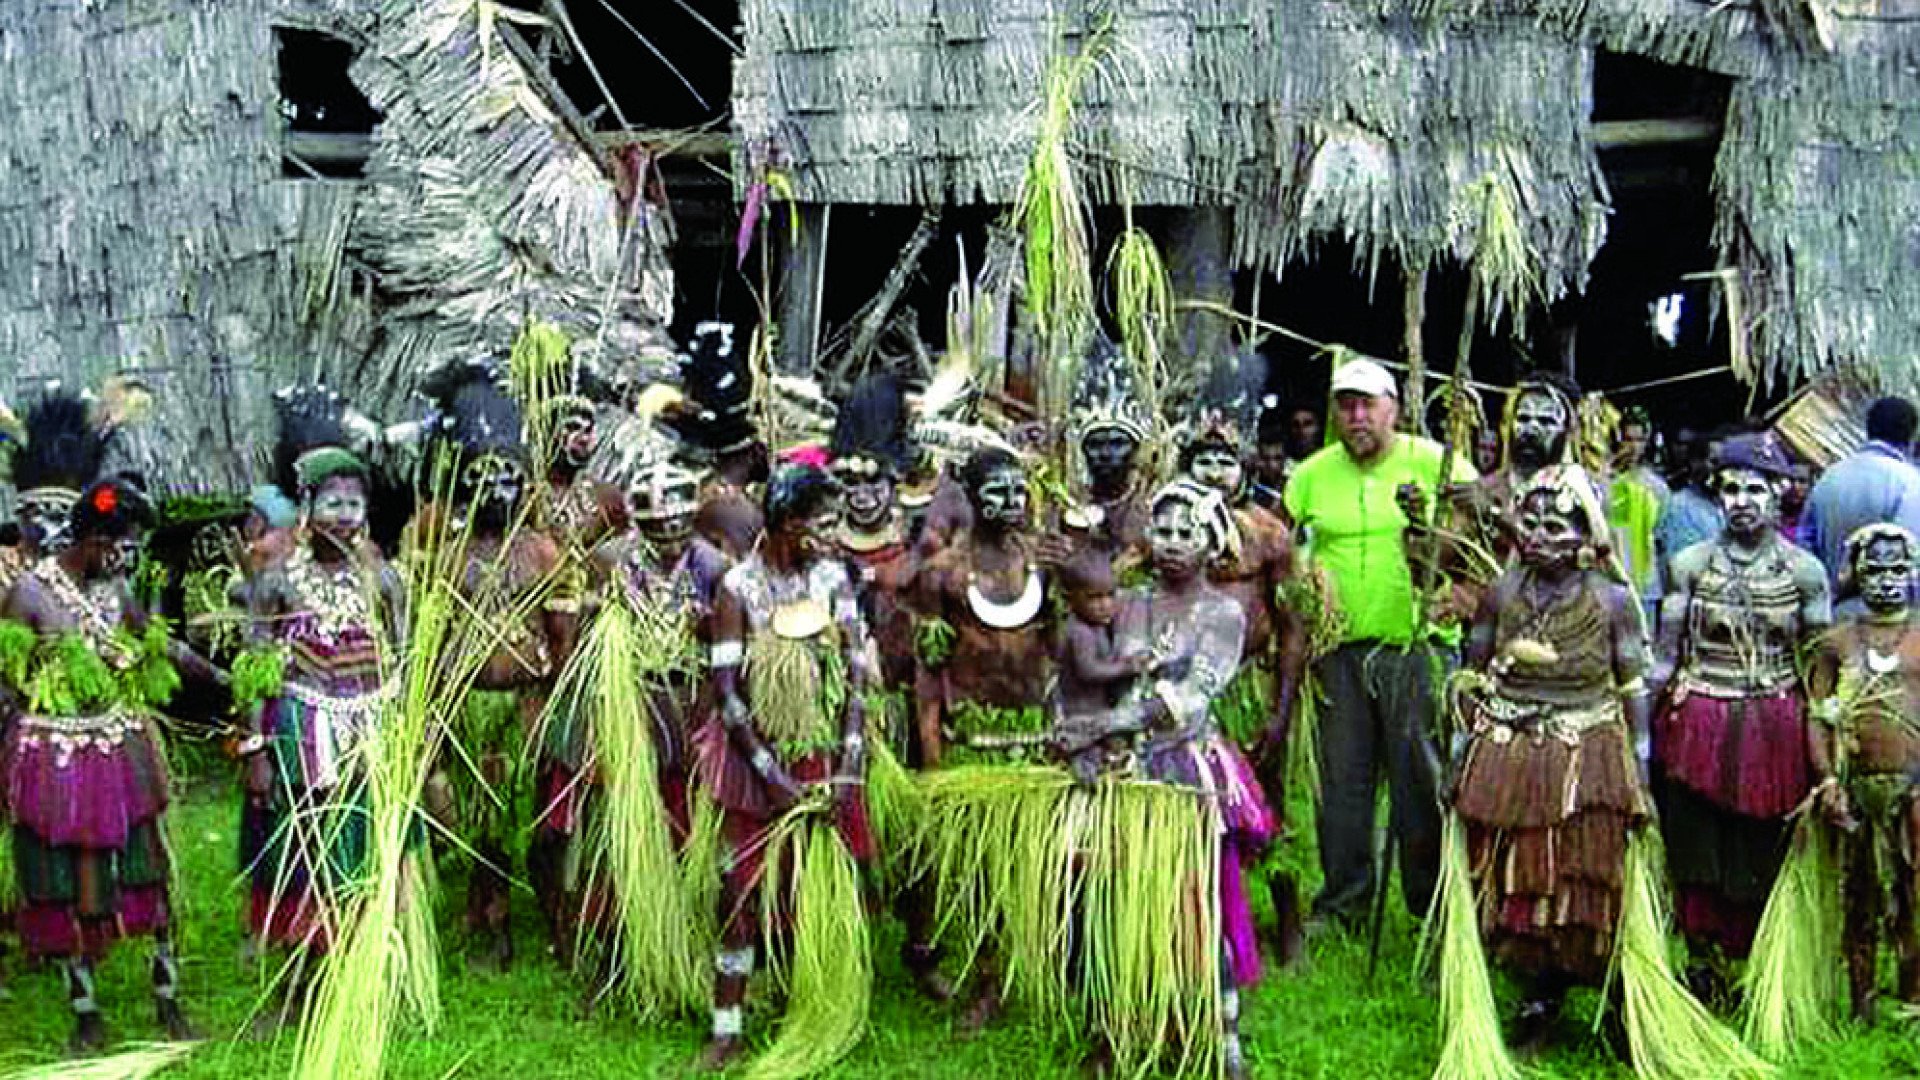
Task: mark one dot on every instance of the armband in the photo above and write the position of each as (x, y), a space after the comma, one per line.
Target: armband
(1633, 688)
(854, 743)
(250, 745)
(727, 654)
(733, 713)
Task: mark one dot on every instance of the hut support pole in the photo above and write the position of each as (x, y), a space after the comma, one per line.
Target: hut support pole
(1199, 260)
(1412, 327)
(802, 279)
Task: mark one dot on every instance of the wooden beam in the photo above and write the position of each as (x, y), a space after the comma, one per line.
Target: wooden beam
(542, 80)
(335, 149)
(1627, 134)
(672, 142)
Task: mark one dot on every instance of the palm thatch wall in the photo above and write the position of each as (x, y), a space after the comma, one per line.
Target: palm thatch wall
(1386, 123)
(145, 226)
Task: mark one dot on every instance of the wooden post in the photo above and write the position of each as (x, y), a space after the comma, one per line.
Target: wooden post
(1199, 260)
(1413, 324)
(803, 275)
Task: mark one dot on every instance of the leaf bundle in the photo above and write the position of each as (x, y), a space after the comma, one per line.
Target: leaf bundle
(1673, 1036)
(827, 967)
(141, 1061)
(1472, 1048)
(1793, 987)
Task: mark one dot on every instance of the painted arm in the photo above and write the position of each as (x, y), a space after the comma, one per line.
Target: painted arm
(729, 653)
(858, 654)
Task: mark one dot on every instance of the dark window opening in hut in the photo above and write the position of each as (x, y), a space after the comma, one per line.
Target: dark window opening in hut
(667, 64)
(329, 122)
(1643, 317)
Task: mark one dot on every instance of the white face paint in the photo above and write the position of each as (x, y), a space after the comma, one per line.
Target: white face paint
(1750, 498)
(1218, 468)
(338, 512)
(1177, 537)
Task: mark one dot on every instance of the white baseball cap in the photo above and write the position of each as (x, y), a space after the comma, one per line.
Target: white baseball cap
(1364, 377)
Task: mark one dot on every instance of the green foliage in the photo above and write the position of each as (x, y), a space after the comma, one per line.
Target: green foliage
(1793, 987)
(933, 641)
(826, 961)
(257, 675)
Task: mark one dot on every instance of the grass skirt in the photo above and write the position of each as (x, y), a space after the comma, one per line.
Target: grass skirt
(1547, 820)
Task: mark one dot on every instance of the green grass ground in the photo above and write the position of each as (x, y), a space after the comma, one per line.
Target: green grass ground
(1322, 1022)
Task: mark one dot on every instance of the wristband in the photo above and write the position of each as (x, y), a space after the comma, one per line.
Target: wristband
(762, 761)
(251, 745)
(727, 654)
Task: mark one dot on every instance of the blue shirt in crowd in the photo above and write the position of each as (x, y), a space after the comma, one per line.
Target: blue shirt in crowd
(1873, 484)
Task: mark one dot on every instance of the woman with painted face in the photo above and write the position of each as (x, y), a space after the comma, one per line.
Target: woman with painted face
(1545, 778)
(1194, 634)
(81, 767)
(789, 670)
(1733, 753)
(326, 619)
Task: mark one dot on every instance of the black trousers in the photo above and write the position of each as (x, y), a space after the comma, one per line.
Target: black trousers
(1379, 719)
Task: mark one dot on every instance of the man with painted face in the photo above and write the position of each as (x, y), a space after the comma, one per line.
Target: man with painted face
(63, 453)
(83, 773)
(1110, 431)
(329, 616)
(1866, 685)
(985, 643)
(1378, 682)
(1561, 703)
(787, 627)
(511, 576)
(1733, 752)
(1254, 567)
(1537, 432)
(579, 510)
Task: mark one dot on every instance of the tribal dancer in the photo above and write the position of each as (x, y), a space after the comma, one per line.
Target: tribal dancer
(1111, 433)
(871, 448)
(63, 454)
(789, 670)
(1195, 632)
(985, 645)
(577, 513)
(511, 578)
(323, 622)
(83, 770)
(1868, 674)
(719, 424)
(1538, 430)
(1733, 751)
(1254, 566)
(1551, 761)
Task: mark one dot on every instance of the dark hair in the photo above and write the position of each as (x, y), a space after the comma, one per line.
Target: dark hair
(796, 492)
(111, 507)
(1892, 420)
(1089, 571)
(984, 463)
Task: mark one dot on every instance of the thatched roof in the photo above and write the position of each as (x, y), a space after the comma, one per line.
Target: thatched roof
(144, 222)
(1384, 122)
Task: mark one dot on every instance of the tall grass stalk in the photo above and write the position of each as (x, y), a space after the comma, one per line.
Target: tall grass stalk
(539, 369)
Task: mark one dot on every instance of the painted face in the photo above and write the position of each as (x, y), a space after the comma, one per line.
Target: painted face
(115, 556)
(1218, 468)
(1884, 574)
(1551, 531)
(1751, 500)
(665, 510)
(1486, 451)
(1539, 428)
(495, 483)
(45, 531)
(1001, 501)
(1109, 453)
(337, 514)
(577, 437)
(819, 532)
(1178, 538)
(1364, 423)
(868, 499)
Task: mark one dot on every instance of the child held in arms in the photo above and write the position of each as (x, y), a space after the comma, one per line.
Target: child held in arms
(1094, 675)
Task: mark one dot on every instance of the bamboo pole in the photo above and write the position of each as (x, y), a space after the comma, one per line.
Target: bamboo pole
(1413, 311)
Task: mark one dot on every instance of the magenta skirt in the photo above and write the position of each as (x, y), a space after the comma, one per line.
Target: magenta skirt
(1747, 755)
(84, 783)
